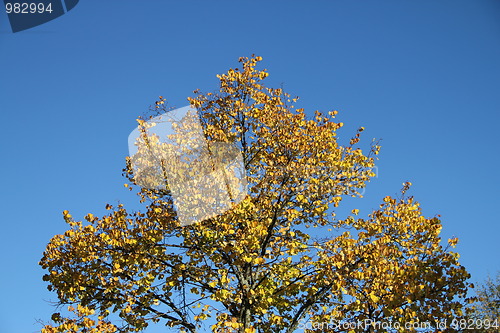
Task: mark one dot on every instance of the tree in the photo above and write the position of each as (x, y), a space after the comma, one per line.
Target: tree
(484, 314)
(489, 298)
(279, 259)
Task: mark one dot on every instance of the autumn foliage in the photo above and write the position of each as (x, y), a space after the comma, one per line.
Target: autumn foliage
(277, 259)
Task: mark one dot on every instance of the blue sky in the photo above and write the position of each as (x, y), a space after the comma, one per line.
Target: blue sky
(424, 76)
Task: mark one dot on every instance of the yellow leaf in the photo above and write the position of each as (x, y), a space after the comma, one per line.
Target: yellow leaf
(374, 298)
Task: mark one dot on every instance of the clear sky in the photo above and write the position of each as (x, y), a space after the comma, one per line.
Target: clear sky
(424, 76)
